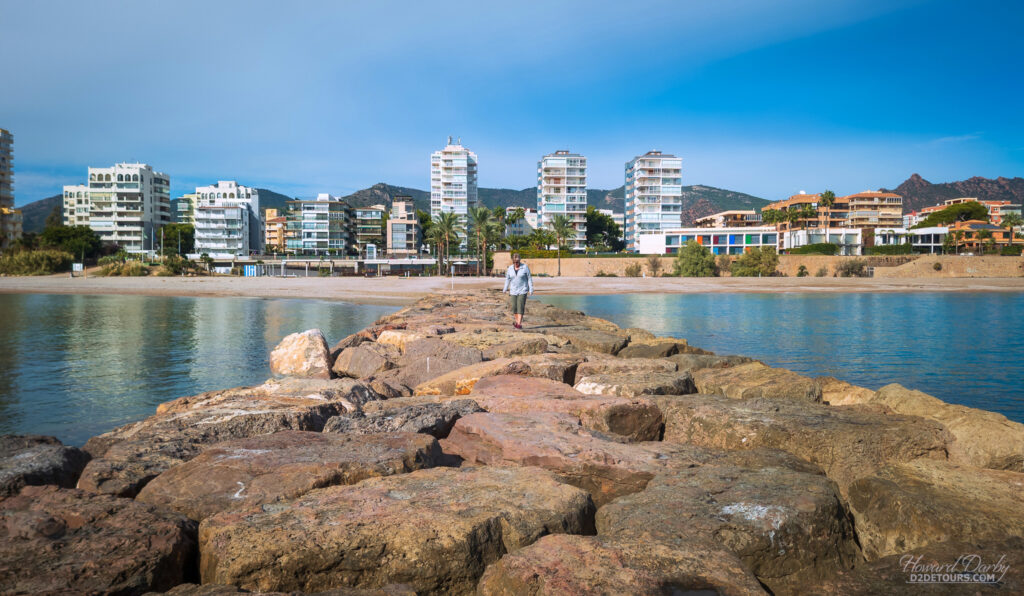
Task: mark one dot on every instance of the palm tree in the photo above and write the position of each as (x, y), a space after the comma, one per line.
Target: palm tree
(541, 238)
(1011, 221)
(828, 198)
(481, 218)
(563, 228)
(446, 227)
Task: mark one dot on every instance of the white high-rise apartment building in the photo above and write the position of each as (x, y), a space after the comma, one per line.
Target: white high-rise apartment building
(10, 218)
(562, 190)
(654, 195)
(227, 219)
(125, 204)
(453, 182)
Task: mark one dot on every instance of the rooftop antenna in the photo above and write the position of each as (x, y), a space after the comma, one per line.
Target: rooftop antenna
(449, 139)
(460, 140)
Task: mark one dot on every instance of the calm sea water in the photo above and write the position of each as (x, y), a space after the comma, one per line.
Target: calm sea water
(78, 366)
(965, 348)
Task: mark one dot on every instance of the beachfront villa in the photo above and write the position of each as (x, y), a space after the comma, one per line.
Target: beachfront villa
(653, 196)
(124, 204)
(996, 209)
(453, 173)
(923, 240)
(274, 231)
(737, 218)
(562, 190)
(720, 241)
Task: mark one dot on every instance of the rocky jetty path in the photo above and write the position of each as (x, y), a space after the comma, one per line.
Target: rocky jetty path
(441, 451)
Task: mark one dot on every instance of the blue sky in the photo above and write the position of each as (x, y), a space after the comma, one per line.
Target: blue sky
(767, 98)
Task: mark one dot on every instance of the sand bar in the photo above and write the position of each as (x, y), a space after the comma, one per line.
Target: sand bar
(400, 291)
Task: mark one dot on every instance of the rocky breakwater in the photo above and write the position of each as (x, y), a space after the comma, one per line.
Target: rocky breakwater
(440, 451)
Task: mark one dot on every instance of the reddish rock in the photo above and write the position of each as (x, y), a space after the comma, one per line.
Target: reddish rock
(519, 386)
(659, 347)
(635, 419)
(692, 362)
(557, 442)
(754, 379)
(563, 565)
(607, 341)
(128, 457)
(912, 505)
(558, 367)
(302, 355)
(840, 393)
(848, 442)
(66, 541)
(364, 360)
(35, 460)
(788, 527)
(283, 466)
(619, 366)
(435, 419)
(435, 530)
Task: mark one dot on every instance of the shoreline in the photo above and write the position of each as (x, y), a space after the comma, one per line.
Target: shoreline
(395, 291)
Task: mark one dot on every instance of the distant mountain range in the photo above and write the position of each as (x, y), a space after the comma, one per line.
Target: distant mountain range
(698, 200)
(918, 192)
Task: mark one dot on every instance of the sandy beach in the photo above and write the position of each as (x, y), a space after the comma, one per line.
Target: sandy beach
(400, 291)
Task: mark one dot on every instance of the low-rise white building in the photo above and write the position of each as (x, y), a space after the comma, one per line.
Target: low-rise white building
(721, 241)
(124, 204)
(928, 240)
(849, 240)
(227, 220)
(524, 226)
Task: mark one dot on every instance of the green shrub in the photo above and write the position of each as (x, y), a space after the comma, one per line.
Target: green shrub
(822, 272)
(601, 273)
(1014, 250)
(35, 262)
(758, 262)
(891, 249)
(801, 271)
(937, 266)
(853, 268)
(110, 260)
(633, 270)
(822, 248)
(323, 272)
(694, 260)
(129, 269)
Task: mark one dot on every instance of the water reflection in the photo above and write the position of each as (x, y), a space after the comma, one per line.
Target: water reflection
(76, 366)
(963, 348)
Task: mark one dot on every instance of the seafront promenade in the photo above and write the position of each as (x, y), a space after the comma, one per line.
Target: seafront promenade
(440, 451)
(402, 291)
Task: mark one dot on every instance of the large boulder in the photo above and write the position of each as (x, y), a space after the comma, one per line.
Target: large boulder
(848, 442)
(497, 343)
(435, 419)
(34, 460)
(911, 505)
(125, 459)
(65, 541)
(229, 590)
(434, 529)
(618, 366)
(606, 341)
(944, 568)
(787, 526)
(558, 367)
(283, 466)
(755, 379)
(636, 384)
(635, 419)
(655, 348)
(564, 565)
(558, 442)
(692, 362)
(302, 355)
(364, 360)
(983, 439)
(519, 386)
(840, 393)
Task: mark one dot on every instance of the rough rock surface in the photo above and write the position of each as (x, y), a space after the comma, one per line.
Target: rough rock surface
(754, 379)
(125, 459)
(692, 362)
(364, 360)
(519, 386)
(607, 341)
(1004, 559)
(503, 344)
(227, 589)
(434, 529)
(840, 393)
(618, 366)
(563, 565)
(66, 541)
(282, 466)
(636, 384)
(557, 442)
(848, 442)
(655, 348)
(302, 355)
(983, 439)
(435, 419)
(788, 527)
(34, 460)
(558, 367)
(635, 419)
(914, 504)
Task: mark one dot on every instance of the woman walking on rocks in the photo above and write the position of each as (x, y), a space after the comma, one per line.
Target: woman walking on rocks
(518, 284)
